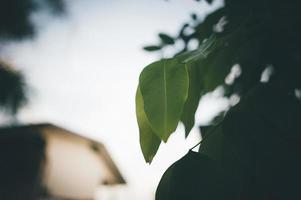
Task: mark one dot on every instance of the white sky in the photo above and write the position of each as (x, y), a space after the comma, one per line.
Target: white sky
(83, 71)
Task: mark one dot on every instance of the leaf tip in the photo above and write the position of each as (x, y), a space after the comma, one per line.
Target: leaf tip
(149, 158)
(164, 139)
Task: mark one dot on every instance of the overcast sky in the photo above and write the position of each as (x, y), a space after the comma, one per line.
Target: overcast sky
(83, 72)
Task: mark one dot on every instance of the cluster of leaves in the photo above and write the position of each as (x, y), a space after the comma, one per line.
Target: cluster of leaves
(254, 151)
(165, 40)
(15, 16)
(16, 24)
(12, 88)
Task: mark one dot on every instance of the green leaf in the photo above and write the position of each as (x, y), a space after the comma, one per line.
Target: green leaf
(218, 66)
(152, 48)
(194, 94)
(164, 87)
(194, 176)
(149, 141)
(166, 39)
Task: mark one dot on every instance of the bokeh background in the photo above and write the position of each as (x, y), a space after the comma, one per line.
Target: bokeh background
(82, 69)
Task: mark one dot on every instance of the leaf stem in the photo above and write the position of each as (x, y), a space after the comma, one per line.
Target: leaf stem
(208, 135)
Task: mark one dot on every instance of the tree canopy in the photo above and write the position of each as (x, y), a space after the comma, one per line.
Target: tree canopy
(251, 49)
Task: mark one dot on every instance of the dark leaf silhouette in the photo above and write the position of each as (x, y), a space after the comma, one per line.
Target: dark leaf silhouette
(193, 176)
(12, 88)
(15, 22)
(166, 39)
(152, 48)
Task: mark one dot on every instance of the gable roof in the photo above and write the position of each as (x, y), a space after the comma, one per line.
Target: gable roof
(95, 145)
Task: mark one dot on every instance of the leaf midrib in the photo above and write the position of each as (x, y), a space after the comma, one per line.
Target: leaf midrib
(165, 97)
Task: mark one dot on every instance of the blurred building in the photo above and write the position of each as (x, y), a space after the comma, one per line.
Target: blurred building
(44, 161)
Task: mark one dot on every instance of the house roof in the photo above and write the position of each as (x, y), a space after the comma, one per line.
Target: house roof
(95, 145)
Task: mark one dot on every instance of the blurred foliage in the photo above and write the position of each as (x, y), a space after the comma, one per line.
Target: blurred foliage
(12, 88)
(15, 16)
(253, 149)
(16, 24)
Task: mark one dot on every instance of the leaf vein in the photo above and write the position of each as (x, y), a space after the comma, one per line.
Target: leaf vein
(165, 98)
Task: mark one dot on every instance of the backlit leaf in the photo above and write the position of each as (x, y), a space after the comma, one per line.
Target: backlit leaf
(149, 141)
(194, 94)
(164, 87)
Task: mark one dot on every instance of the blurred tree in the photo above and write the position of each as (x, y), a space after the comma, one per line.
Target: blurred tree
(16, 24)
(15, 16)
(11, 89)
(252, 49)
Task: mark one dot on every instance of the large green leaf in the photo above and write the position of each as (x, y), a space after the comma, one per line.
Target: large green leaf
(194, 94)
(164, 87)
(149, 141)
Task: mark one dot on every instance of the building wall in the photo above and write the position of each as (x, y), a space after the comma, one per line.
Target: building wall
(73, 169)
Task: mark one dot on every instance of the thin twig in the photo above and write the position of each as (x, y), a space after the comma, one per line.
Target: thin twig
(208, 135)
